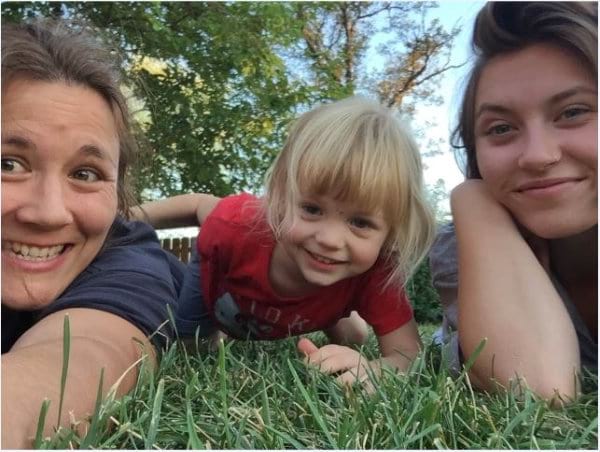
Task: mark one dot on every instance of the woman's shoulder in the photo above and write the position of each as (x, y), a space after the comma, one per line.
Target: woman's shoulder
(134, 246)
(125, 232)
(443, 261)
(132, 277)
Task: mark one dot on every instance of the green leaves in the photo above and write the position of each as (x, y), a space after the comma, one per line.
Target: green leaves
(215, 84)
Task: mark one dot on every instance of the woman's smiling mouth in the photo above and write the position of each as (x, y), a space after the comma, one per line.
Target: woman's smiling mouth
(32, 252)
(547, 187)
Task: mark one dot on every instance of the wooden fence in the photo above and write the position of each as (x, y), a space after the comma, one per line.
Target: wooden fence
(180, 247)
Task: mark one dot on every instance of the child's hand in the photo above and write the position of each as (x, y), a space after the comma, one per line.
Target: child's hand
(334, 359)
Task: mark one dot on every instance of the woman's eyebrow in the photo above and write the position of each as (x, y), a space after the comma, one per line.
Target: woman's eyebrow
(90, 150)
(558, 97)
(571, 92)
(18, 141)
(493, 108)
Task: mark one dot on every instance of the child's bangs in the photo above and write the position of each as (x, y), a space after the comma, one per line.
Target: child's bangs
(353, 172)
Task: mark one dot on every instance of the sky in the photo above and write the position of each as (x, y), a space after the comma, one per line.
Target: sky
(444, 166)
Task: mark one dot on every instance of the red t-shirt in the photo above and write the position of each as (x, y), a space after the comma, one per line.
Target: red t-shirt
(235, 248)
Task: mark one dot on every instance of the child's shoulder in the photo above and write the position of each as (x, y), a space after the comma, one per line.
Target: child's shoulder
(241, 209)
(376, 279)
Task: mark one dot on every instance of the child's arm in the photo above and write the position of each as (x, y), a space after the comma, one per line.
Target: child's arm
(175, 212)
(398, 349)
(401, 346)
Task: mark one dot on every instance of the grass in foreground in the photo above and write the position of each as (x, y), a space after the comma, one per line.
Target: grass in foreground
(259, 395)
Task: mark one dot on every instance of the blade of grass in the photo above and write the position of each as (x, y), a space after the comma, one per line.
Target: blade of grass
(266, 410)
(223, 391)
(65, 438)
(313, 408)
(65, 365)
(155, 419)
(421, 434)
(92, 434)
(471, 360)
(37, 444)
(295, 444)
(194, 441)
(593, 426)
(239, 438)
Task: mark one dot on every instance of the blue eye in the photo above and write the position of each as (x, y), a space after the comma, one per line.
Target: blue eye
(86, 175)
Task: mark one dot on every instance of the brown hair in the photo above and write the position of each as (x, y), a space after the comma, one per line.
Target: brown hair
(502, 27)
(50, 50)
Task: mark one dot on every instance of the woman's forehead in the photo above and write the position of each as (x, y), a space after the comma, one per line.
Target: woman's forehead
(538, 69)
(42, 112)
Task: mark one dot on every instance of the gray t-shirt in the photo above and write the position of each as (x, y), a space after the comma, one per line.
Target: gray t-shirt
(444, 274)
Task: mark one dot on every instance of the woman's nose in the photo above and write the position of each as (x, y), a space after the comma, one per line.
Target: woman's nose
(45, 205)
(541, 149)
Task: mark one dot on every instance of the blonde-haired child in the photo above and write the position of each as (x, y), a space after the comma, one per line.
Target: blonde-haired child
(343, 223)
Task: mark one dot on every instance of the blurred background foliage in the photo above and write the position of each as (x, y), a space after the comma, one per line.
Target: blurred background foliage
(424, 298)
(213, 85)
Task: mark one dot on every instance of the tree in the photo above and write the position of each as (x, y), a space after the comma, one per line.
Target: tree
(214, 84)
(337, 35)
(214, 104)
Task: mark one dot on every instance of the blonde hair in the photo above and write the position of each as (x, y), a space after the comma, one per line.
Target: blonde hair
(356, 150)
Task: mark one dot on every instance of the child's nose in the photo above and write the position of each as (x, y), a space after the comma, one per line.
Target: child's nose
(330, 236)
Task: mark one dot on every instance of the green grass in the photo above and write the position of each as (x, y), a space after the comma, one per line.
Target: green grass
(259, 395)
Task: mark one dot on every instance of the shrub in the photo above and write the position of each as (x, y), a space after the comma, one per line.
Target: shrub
(424, 298)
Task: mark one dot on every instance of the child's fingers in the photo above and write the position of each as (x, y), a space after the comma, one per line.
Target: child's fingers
(316, 356)
(332, 359)
(357, 375)
(335, 364)
(351, 376)
(306, 346)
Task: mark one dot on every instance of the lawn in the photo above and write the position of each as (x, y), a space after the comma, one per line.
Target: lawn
(259, 395)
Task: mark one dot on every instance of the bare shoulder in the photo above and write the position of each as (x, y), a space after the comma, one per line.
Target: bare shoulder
(94, 326)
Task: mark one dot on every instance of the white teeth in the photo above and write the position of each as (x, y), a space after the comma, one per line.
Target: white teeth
(324, 259)
(33, 253)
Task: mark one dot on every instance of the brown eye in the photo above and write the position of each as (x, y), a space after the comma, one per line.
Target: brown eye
(573, 112)
(361, 223)
(311, 209)
(86, 175)
(12, 166)
(500, 129)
